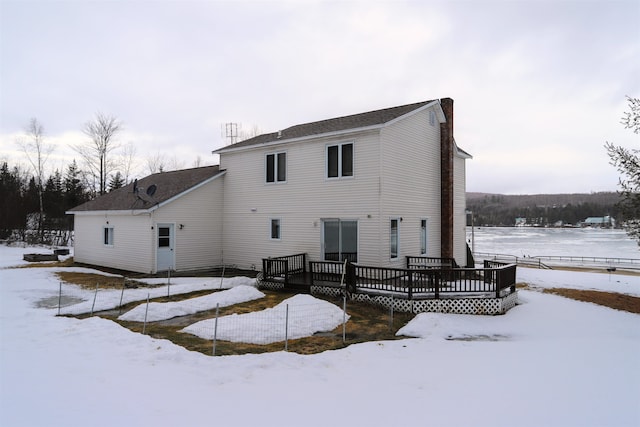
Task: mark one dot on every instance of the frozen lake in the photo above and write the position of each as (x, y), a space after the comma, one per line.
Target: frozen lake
(530, 241)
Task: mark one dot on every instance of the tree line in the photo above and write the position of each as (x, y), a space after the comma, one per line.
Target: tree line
(36, 215)
(542, 209)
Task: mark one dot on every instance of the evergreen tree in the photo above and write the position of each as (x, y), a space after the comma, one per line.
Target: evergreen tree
(12, 214)
(627, 161)
(74, 190)
(116, 182)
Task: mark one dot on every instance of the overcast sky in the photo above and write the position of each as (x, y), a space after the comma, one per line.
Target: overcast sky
(539, 86)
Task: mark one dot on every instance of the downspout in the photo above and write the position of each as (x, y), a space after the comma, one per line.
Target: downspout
(446, 180)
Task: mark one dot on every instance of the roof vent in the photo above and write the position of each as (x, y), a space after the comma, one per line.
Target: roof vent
(279, 134)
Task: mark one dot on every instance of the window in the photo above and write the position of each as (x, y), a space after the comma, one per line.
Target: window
(275, 229)
(107, 236)
(340, 240)
(164, 237)
(394, 238)
(340, 160)
(423, 237)
(276, 167)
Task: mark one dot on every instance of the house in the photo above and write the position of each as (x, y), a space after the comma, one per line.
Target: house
(166, 221)
(599, 222)
(372, 188)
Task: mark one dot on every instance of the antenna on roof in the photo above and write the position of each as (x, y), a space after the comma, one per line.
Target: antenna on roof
(230, 132)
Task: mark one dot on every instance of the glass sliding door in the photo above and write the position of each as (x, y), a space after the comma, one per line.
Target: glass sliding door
(340, 240)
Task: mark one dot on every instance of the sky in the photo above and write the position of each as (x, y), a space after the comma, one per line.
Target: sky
(539, 86)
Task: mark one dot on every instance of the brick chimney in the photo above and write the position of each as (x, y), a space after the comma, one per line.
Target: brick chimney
(446, 179)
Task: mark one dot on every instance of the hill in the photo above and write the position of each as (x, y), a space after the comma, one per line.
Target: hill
(542, 209)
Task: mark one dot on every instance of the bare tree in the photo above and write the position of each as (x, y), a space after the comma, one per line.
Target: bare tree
(127, 161)
(96, 153)
(156, 163)
(37, 152)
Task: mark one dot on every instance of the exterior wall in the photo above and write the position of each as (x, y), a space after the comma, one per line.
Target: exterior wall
(301, 203)
(132, 242)
(198, 245)
(410, 186)
(459, 211)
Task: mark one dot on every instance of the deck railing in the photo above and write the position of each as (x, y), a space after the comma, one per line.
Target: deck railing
(326, 271)
(425, 262)
(425, 277)
(284, 266)
(435, 283)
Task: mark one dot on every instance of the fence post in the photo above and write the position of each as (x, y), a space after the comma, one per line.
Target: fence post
(215, 329)
(94, 299)
(146, 311)
(286, 329)
(436, 283)
(124, 283)
(344, 318)
(351, 278)
(498, 282)
(168, 280)
(222, 278)
(60, 297)
(410, 284)
(391, 315)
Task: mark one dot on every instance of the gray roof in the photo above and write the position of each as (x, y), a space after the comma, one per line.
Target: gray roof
(167, 185)
(355, 121)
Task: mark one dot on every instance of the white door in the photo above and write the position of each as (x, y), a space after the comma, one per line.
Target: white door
(166, 243)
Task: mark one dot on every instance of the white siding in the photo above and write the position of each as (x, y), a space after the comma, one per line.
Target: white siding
(132, 241)
(410, 185)
(301, 203)
(198, 245)
(459, 211)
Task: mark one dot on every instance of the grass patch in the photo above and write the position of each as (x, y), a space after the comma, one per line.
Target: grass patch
(608, 299)
(90, 280)
(64, 263)
(367, 323)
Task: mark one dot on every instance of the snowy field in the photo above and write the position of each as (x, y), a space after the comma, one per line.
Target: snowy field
(549, 361)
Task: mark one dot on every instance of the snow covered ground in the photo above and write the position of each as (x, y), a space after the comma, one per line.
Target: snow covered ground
(549, 361)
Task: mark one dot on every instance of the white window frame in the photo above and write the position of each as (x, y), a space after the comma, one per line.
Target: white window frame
(424, 236)
(271, 223)
(107, 236)
(353, 160)
(276, 167)
(397, 220)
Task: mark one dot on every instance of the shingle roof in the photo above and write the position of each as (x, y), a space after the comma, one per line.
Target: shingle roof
(337, 124)
(167, 185)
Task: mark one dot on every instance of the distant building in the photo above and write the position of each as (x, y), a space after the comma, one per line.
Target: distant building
(599, 222)
(521, 222)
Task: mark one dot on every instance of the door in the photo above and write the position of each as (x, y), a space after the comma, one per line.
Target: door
(340, 240)
(165, 250)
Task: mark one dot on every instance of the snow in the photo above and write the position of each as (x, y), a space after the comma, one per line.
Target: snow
(167, 310)
(296, 317)
(549, 361)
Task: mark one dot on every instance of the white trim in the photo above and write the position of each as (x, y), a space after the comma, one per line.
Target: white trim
(279, 238)
(326, 160)
(398, 220)
(459, 152)
(110, 236)
(426, 235)
(276, 167)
